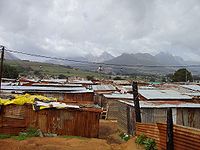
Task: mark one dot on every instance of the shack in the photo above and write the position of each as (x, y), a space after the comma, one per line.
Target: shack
(166, 95)
(63, 94)
(110, 104)
(184, 113)
(50, 117)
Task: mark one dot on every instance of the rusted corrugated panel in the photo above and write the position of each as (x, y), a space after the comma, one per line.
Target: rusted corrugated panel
(185, 138)
(188, 117)
(62, 122)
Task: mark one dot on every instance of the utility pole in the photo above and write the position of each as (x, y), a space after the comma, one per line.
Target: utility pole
(170, 141)
(136, 101)
(1, 69)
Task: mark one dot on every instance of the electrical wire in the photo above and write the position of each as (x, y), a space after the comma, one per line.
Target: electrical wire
(98, 63)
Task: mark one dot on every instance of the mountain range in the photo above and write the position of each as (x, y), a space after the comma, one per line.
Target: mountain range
(144, 59)
(147, 59)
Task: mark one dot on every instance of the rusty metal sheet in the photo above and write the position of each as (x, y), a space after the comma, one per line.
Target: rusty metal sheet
(185, 138)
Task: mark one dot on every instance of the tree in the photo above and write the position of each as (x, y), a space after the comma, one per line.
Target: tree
(182, 75)
(118, 78)
(90, 77)
(61, 76)
(10, 72)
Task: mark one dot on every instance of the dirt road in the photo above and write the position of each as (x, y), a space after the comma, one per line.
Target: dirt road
(59, 143)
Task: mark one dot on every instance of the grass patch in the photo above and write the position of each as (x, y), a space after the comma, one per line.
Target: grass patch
(30, 132)
(5, 136)
(71, 137)
(148, 143)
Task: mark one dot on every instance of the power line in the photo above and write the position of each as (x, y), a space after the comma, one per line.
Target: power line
(97, 63)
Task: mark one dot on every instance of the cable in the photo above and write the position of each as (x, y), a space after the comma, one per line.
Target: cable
(96, 63)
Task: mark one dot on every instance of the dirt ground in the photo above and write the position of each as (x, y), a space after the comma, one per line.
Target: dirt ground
(108, 140)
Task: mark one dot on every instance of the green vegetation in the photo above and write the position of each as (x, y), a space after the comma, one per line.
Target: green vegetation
(30, 132)
(148, 143)
(5, 136)
(90, 77)
(70, 137)
(118, 78)
(62, 76)
(10, 71)
(125, 136)
(50, 70)
(182, 75)
(141, 139)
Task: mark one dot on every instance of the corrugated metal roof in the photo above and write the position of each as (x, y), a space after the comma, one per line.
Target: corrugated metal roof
(56, 105)
(146, 87)
(57, 85)
(119, 96)
(54, 80)
(38, 88)
(103, 88)
(193, 94)
(191, 87)
(62, 92)
(81, 82)
(164, 104)
(121, 82)
(163, 94)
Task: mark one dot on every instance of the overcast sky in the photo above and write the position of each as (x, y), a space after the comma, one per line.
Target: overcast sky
(66, 28)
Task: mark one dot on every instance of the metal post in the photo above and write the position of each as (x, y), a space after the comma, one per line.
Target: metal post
(136, 101)
(1, 69)
(170, 142)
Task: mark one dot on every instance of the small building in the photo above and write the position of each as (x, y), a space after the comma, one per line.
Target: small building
(191, 87)
(156, 94)
(84, 83)
(121, 82)
(184, 113)
(102, 89)
(72, 120)
(109, 102)
(63, 94)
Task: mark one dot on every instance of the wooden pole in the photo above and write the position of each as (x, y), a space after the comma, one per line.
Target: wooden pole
(1, 69)
(136, 101)
(170, 142)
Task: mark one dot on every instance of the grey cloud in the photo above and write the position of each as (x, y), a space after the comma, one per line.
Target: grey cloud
(73, 28)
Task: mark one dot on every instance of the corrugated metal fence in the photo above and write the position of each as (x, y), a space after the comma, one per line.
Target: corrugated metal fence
(16, 118)
(185, 138)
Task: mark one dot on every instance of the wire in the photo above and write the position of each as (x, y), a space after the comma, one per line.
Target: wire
(96, 63)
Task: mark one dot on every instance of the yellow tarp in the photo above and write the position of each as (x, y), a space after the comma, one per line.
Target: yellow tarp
(25, 99)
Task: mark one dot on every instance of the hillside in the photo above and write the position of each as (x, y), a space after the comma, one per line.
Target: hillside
(29, 67)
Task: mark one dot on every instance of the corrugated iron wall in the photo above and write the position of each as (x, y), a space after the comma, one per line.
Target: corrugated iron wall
(15, 118)
(126, 118)
(185, 138)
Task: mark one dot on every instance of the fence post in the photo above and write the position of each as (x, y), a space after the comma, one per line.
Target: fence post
(136, 101)
(170, 142)
(1, 69)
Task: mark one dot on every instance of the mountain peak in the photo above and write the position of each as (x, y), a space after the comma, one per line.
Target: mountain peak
(103, 57)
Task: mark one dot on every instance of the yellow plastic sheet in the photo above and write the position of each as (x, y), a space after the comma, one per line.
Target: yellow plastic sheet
(25, 99)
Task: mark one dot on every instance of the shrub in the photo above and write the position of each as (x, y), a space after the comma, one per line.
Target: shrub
(30, 132)
(125, 136)
(141, 139)
(150, 144)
